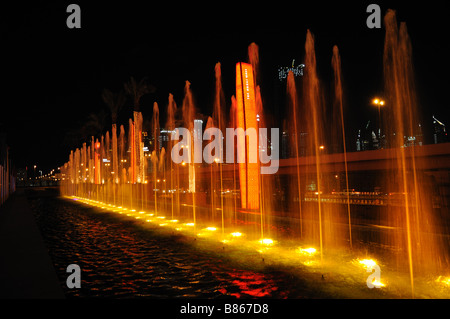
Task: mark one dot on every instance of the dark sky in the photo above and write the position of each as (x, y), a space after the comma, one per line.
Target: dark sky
(53, 76)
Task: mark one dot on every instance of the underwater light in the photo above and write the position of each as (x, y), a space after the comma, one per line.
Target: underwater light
(266, 241)
(378, 284)
(443, 280)
(368, 263)
(307, 251)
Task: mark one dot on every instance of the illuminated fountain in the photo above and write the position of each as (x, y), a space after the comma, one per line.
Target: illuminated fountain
(316, 226)
(415, 218)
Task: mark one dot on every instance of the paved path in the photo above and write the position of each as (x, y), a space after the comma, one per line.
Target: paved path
(26, 270)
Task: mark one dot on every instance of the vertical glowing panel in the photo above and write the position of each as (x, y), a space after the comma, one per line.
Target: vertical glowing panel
(246, 118)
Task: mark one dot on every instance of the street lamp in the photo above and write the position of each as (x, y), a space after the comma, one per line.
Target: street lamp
(379, 102)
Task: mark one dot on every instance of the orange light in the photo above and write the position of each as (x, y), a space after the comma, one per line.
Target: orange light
(246, 118)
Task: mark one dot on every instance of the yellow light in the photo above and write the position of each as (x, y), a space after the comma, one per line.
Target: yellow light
(210, 228)
(322, 147)
(376, 101)
(266, 241)
(189, 224)
(141, 212)
(307, 251)
(378, 284)
(381, 103)
(311, 263)
(160, 217)
(368, 263)
(236, 234)
(174, 220)
(443, 280)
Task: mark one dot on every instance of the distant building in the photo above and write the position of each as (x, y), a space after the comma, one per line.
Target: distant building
(22, 174)
(440, 134)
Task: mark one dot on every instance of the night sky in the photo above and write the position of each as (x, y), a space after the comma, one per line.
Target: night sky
(53, 76)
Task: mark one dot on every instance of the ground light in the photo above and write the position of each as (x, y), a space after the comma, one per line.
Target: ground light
(266, 243)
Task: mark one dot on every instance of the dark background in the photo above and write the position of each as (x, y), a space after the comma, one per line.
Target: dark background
(52, 76)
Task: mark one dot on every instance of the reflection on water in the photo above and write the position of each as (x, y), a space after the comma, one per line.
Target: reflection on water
(121, 260)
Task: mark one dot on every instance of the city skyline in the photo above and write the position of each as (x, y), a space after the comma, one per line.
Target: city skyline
(69, 69)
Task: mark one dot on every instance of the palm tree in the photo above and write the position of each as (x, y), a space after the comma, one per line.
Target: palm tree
(138, 89)
(115, 102)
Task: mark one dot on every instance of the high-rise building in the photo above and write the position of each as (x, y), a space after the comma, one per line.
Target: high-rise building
(440, 134)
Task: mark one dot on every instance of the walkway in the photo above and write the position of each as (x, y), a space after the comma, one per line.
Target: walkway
(26, 270)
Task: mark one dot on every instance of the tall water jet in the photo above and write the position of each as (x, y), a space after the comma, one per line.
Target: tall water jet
(212, 191)
(188, 110)
(253, 59)
(121, 160)
(155, 130)
(338, 102)
(313, 107)
(114, 160)
(219, 119)
(293, 109)
(415, 218)
(170, 126)
(162, 168)
(233, 125)
(132, 160)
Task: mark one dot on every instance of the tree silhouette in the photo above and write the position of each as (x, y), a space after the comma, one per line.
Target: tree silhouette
(138, 89)
(115, 102)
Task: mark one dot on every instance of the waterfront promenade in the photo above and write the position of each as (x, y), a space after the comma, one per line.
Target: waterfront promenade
(26, 270)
